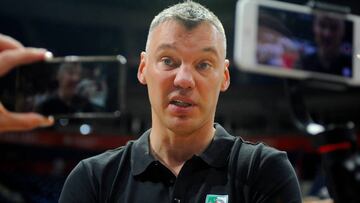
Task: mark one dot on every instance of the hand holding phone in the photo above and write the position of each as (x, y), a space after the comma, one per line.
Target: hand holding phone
(12, 54)
(10, 121)
(72, 87)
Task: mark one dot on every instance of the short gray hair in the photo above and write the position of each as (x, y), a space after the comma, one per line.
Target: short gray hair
(190, 14)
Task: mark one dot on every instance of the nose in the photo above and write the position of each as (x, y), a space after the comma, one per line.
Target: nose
(184, 77)
(75, 77)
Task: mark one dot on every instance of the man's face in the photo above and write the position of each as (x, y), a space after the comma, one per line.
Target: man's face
(69, 77)
(329, 32)
(185, 70)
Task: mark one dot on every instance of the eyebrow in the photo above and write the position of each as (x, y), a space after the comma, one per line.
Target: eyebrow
(210, 49)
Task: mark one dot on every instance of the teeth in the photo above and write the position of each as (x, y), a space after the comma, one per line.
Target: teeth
(181, 103)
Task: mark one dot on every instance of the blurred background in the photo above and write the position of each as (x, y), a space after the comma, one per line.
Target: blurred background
(34, 165)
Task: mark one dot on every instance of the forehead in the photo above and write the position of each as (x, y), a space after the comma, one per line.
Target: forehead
(203, 35)
(69, 68)
(329, 19)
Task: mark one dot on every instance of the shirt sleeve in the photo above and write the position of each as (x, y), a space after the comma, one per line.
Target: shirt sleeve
(273, 179)
(78, 186)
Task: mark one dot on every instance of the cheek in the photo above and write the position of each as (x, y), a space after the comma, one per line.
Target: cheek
(160, 80)
(154, 95)
(158, 86)
(210, 91)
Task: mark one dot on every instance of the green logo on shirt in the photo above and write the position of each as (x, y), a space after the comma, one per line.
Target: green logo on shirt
(216, 199)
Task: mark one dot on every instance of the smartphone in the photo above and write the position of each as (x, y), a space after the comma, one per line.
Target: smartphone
(294, 41)
(72, 87)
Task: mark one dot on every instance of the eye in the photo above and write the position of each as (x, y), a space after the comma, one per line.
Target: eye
(204, 66)
(169, 62)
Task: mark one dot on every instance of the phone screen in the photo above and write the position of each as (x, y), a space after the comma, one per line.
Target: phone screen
(81, 86)
(318, 42)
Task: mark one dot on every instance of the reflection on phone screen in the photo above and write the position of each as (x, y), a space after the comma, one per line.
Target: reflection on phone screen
(66, 88)
(319, 42)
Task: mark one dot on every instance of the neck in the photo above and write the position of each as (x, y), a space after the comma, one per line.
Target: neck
(173, 149)
(328, 56)
(65, 95)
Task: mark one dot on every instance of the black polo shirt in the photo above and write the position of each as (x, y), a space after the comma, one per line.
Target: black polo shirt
(131, 174)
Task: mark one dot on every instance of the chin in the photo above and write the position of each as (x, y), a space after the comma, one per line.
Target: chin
(187, 127)
(182, 126)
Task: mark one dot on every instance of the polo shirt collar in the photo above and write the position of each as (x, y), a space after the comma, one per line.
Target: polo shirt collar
(215, 155)
(218, 151)
(141, 156)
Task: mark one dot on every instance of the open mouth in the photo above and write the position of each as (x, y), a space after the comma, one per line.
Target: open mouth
(180, 103)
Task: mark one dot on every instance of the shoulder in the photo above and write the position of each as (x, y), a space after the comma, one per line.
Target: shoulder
(267, 171)
(263, 158)
(263, 152)
(50, 101)
(87, 181)
(345, 59)
(103, 162)
(107, 160)
(309, 61)
(258, 152)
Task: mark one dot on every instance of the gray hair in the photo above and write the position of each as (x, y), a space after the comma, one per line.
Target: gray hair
(190, 14)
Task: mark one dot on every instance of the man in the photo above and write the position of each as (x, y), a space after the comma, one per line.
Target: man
(184, 157)
(13, 54)
(329, 34)
(66, 99)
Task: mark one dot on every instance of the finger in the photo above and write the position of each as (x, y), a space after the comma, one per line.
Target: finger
(23, 121)
(15, 57)
(2, 109)
(7, 42)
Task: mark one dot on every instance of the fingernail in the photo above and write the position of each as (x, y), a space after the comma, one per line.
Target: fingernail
(48, 55)
(49, 121)
(51, 118)
(2, 108)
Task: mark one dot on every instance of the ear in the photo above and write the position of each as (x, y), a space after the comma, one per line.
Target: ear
(141, 68)
(226, 81)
